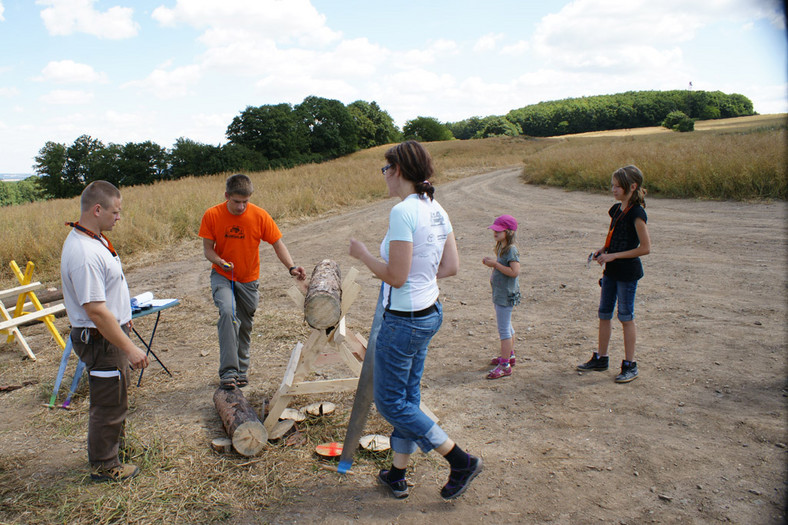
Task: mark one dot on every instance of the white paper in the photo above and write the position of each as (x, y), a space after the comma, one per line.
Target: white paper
(142, 300)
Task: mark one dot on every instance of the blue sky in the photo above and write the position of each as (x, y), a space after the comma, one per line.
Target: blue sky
(134, 70)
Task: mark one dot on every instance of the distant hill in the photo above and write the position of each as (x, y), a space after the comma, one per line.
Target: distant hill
(11, 177)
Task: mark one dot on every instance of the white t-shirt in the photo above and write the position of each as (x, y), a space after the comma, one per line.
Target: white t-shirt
(90, 274)
(424, 223)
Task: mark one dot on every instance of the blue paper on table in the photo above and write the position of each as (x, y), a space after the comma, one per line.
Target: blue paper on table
(142, 301)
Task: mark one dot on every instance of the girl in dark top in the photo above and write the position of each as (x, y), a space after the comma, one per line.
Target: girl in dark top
(626, 241)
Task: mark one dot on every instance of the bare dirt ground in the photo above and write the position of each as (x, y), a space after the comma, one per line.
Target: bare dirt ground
(699, 437)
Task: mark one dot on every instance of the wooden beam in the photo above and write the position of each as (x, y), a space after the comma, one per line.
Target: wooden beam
(22, 319)
(20, 289)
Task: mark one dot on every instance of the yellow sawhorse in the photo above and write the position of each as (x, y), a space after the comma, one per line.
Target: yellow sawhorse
(10, 321)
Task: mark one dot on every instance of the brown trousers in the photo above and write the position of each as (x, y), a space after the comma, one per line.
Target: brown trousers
(108, 369)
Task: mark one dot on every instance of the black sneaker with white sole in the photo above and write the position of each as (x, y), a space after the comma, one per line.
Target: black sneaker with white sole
(597, 363)
(460, 479)
(628, 373)
(399, 489)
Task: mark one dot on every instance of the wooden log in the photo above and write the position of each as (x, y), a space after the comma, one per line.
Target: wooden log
(240, 421)
(323, 301)
(47, 295)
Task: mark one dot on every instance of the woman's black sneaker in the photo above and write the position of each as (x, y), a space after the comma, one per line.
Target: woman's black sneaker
(460, 479)
(398, 488)
(628, 373)
(597, 363)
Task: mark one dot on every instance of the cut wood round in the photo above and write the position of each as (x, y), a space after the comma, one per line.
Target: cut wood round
(375, 442)
(222, 445)
(281, 429)
(293, 414)
(322, 408)
(240, 421)
(323, 301)
(329, 450)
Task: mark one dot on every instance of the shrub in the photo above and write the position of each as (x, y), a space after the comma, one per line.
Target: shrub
(678, 121)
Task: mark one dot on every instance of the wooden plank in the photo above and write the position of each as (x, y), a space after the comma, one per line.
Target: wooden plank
(280, 400)
(20, 289)
(295, 294)
(22, 319)
(323, 386)
(350, 359)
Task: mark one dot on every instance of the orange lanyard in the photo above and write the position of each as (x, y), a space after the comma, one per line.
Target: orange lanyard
(613, 227)
(100, 238)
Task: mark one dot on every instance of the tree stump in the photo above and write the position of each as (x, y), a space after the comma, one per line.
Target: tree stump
(240, 421)
(323, 301)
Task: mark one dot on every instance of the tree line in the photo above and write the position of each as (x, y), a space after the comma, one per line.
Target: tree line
(318, 129)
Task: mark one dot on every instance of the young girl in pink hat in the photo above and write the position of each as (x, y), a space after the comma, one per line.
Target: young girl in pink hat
(505, 283)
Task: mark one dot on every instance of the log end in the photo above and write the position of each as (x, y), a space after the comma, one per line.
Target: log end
(249, 438)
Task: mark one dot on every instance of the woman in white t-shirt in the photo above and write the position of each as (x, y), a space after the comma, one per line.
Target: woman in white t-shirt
(419, 248)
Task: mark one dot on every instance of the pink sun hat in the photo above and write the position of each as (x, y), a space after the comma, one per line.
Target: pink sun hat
(504, 222)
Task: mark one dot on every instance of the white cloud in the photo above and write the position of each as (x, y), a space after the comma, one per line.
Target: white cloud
(70, 72)
(487, 42)
(291, 21)
(66, 97)
(1, 12)
(66, 17)
(6, 91)
(169, 84)
(516, 49)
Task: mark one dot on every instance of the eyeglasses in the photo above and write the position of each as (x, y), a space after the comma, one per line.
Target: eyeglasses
(385, 168)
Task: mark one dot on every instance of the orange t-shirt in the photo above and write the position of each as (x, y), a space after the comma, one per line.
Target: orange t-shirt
(237, 238)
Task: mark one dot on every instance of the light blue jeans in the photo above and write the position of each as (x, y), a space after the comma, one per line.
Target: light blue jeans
(503, 315)
(400, 352)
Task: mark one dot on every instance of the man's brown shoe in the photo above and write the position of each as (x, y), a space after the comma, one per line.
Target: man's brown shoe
(119, 473)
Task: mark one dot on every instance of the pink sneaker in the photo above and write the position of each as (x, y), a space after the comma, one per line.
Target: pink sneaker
(500, 371)
(500, 361)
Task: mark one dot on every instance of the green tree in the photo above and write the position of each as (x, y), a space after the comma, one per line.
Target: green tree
(188, 157)
(375, 126)
(498, 127)
(142, 163)
(273, 131)
(332, 130)
(426, 129)
(50, 165)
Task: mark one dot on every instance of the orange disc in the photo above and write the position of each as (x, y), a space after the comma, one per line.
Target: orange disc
(329, 449)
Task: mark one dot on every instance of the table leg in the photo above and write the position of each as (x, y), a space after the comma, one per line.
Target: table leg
(148, 347)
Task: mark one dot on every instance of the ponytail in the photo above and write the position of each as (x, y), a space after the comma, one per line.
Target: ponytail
(415, 165)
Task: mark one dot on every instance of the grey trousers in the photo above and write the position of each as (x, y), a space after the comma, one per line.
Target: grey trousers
(108, 375)
(237, 303)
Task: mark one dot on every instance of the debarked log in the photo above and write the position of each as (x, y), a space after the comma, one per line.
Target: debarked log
(240, 421)
(323, 301)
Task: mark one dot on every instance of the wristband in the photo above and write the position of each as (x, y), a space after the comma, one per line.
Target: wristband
(290, 270)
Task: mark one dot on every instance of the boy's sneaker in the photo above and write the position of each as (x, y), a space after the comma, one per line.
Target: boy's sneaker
(118, 473)
(398, 488)
(460, 479)
(628, 373)
(597, 363)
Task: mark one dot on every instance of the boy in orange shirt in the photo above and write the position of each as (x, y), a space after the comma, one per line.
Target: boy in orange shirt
(231, 233)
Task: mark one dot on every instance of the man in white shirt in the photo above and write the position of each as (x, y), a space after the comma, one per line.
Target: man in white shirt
(98, 305)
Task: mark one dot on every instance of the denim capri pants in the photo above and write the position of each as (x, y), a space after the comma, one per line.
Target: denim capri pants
(622, 292)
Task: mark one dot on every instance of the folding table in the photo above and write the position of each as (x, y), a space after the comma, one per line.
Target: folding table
(156, 308)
